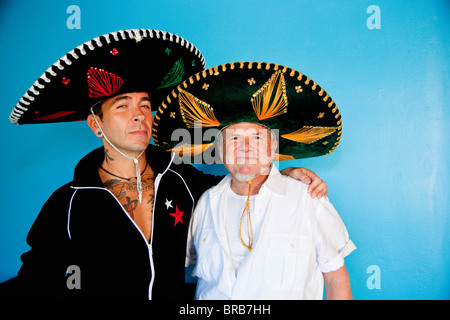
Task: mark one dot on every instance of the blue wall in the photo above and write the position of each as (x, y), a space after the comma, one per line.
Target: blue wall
(389, 176)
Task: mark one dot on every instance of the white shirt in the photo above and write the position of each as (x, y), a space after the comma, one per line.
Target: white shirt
(298, 239)
(234, 206)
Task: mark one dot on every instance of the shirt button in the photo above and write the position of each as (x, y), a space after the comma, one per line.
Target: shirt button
(204, 239)
(230, 268)
(292, 246)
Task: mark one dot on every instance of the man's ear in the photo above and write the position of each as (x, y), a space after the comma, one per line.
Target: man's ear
(93, 125)
(274, 146)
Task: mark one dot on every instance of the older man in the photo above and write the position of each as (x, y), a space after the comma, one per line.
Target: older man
(257, 234)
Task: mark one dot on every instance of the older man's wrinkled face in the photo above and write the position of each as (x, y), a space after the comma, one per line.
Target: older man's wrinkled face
(247, 150)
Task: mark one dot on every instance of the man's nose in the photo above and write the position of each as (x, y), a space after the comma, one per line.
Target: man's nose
(138, 116)
(245, 144)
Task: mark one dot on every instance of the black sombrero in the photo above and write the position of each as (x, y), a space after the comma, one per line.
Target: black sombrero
(118, 62)
(307, 119)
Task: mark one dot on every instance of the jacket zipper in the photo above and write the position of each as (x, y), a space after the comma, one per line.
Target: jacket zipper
(149, 245)
(150, 289)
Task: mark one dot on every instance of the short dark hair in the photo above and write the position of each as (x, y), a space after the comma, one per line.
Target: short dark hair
(98, 109)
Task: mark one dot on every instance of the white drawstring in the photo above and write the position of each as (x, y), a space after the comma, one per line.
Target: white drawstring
(135, 160)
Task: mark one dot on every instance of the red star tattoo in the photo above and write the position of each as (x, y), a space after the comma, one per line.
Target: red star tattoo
(178, 215)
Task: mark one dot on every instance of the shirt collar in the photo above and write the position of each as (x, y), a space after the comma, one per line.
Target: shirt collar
(276, 182)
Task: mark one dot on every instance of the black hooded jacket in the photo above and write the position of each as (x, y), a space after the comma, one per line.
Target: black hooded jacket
(84, 226)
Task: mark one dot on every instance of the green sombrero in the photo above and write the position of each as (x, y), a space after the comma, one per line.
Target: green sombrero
(307, 119)
(115, 63)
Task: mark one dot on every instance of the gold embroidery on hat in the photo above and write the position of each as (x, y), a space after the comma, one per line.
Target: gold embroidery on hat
(194, 110)
(282, 157)
(271, 99)
(191, 149)
(309, 134)
(321, 92)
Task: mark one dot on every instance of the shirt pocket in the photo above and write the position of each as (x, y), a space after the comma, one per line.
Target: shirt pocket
(207, 238)
(288, 261)
(209, 256)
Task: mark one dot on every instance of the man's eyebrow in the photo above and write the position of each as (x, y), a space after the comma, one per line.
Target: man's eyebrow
(118, 99)
(145, 99)
(121, 98)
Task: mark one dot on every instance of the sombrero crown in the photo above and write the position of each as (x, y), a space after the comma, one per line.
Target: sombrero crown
(114, 63)
(307, 119)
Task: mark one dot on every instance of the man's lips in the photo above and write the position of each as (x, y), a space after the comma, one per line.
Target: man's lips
(139, 132)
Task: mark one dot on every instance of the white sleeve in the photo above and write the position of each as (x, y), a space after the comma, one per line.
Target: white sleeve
(191, 255)
(330, 236)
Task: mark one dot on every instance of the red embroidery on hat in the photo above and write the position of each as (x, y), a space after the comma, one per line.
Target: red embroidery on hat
(54, 115)
(114, 51)
(65, 81)
(102, 83)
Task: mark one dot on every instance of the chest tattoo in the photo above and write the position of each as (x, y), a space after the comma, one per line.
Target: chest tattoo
(126, 192)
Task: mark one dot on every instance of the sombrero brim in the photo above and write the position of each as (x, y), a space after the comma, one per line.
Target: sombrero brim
(119, 62)
(306, 118)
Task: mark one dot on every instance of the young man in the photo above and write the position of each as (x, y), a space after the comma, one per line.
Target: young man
(257, 234)
(118, 230)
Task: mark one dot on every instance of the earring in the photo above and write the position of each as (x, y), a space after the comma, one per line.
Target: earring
(99, 133)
